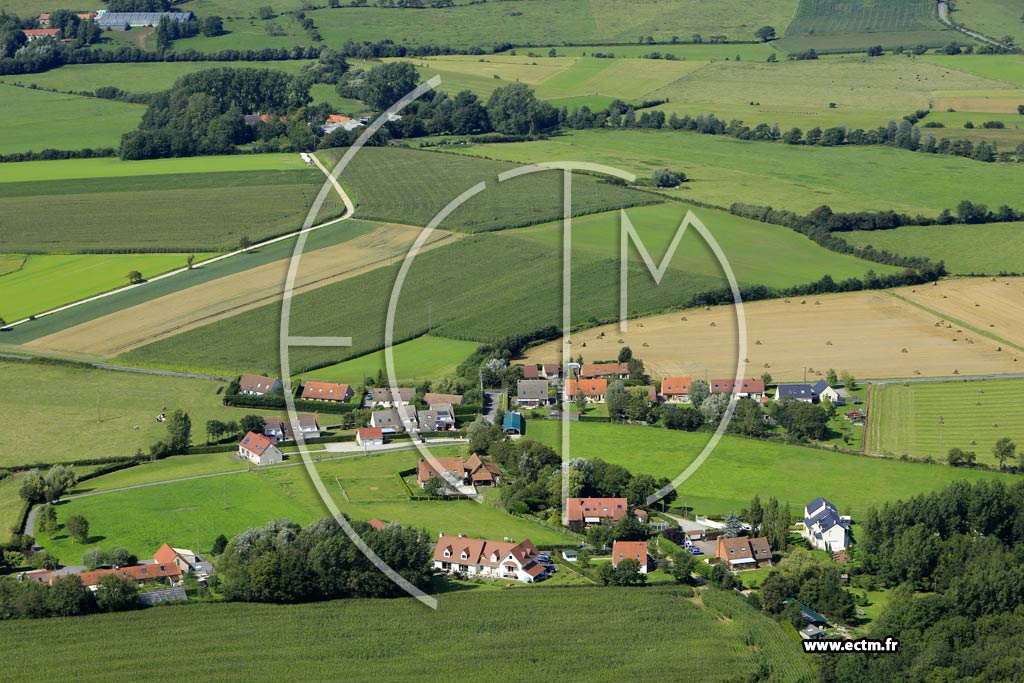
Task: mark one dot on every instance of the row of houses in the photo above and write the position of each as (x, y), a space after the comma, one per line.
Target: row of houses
(439, 417)
(168, 566)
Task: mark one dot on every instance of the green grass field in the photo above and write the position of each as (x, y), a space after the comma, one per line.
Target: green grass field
(141, 519)
(416, 360)
(1000, 67)
(724, 170)
(410, 187)
(545, 22)
(847, 24)
(71, 122)
(996, 18)
(905, 418)
(740, 468)
(63, 402)
(180, 212)
(48, 281)
(12, 507)
(142, 77)
(67, 169)
(981, 249)
(486, 285)
(552, 629)
(699, 52)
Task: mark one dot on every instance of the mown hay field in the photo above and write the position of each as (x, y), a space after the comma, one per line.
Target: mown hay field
(990, 307)
(47, 281)
(871, 334)
(966, 249)
(261, 285)
(927, 419)
(723, 170)
(71, 122)
(403, 640)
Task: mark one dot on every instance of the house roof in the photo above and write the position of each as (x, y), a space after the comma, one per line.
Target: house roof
(794, 391)
(387, 394)
(481, 470)
(589, 387)
(376, 524)
(41, 32)
(425, 470)
(530, 371)
(747, 386)
(743, 548)
(257, 383)
(454, 399)
(256, 443)
(338, 118)
(364, 433)
(386, 418)
(819, 386)
(466, 550)
(675, 386)
(513, 421)
(629, 550)
(593, 370)
(138, 572)
(325, 391)
(551, 368)
(578, 509)
(532, 389)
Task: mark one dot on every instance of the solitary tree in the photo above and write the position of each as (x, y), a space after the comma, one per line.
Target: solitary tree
(219, 544)
(244, 242)
(1005, 449)
(831, 378)
(682, 566)
(253, 423)
(189, 260)
(765, 33)
(625, 354)
(134, 277)
(47, 518)
(848, 380)
(77, 527)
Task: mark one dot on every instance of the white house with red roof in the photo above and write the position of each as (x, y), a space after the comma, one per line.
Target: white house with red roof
(585, 511)
(368, 437)
(632, 550)
(259, 449)
(326, 391)
(488, 559)
(676, 389)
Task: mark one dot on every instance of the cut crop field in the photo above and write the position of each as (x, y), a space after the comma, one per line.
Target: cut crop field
(416, 360)
(543, 22)
(966, 249)
(863, 332)
(410, 186)
(977, 307)
(181, 212)
(370, 246)
(486, 285)
(927, 419)
(401, 640)
(723, 170)
(141, 519)
(47, 281)
(72, 122)
(64, 401)
(863, 23)
(141, 77)
(740, 468)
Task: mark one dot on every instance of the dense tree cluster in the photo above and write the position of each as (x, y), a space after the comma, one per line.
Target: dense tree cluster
(48, 487)
(815, 583)
(67, 597)
(203, 112)
(963, 546)
(284, 563)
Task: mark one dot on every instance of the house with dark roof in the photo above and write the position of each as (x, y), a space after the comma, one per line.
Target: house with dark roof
(824, 528)
(797, 392)
(676, 389)
(440, 417)
(259, 449)
(280, 429)
(326, 391)
(632, 550)
(741, 553)
(388, 421)
(386, 397)
(489, 559)
(532, 393)
(513, 423)
(258, 385)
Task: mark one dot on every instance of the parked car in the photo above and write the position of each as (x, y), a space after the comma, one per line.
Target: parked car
(696, 551)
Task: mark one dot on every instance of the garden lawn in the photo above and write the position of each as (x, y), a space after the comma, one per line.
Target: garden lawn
(987, 249)
(401, 640)
(71, 122)
(740, 468)
(49, 281)
(904, 418)
(174, 467)
(415, 360)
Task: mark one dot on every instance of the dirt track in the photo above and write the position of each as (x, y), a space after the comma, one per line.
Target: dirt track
(871, 334)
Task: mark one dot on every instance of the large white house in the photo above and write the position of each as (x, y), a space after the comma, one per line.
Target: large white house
(824, 527)
(488, 559)
(259, 449)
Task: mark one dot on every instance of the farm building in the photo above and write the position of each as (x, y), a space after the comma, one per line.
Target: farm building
(513, 423)
(259, 449)
(744, 553)
(377, 524)
(186, 560)
(824, 528)
(798, 392)
(140, 573)
(488, 559)
(258, 385)
(676, 389)
(748, 388)
(532, 392)
(122, 21)
(632, 550)
(594, 390)
(326, 391)
(369, 437)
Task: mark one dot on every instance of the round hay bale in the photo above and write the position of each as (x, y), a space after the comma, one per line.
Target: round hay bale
(584, 345)
(956, 372)
(646, 345)
(904, 350)
(620, 341)
(766, 365)
(991, 324)
(803, 301)
(757, 343)
(828, 343)
(683, 318)
(713, 324)
(917, 372)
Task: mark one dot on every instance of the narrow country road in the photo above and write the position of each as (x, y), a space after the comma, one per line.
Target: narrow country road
(349, 209)
(944, 18)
